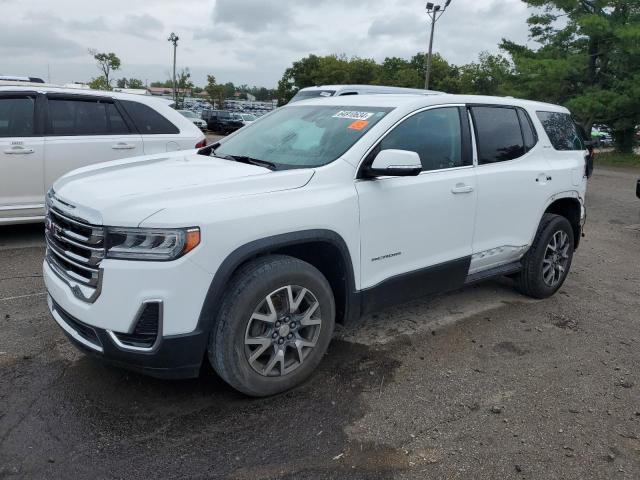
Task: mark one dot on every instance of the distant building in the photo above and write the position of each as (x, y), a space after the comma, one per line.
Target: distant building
(168, 91)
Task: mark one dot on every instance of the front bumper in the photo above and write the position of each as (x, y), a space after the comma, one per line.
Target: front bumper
(177, 356)
(180, 286)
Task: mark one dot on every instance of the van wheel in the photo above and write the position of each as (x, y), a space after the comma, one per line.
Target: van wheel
(546, 265)
(274, 325)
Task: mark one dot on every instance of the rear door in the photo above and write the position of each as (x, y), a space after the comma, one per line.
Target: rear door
(158, 134)
(21, 156)
(84, 130)
(514, 183)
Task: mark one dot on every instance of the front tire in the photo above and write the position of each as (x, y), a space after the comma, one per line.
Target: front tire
(274, 325)
(546, 265)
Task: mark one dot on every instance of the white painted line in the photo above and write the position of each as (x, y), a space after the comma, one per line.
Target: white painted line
(23, 296)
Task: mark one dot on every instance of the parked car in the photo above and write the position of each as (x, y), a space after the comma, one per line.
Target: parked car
(221, 121)
(327, 91)
(45, 132)
(318, 213)
(246, 118)
(195, 119)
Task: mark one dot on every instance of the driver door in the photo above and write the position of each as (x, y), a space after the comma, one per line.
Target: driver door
(416, 232)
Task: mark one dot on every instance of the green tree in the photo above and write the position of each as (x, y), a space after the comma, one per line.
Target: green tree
(589, 60)
(99, 83)
(215, 91)
(129, 83)
(106, 63)
(183, 85)
(491, 75)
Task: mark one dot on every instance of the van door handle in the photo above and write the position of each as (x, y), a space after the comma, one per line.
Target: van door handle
(19, 151)
(461, 188)
(543, 178)
(123, 146)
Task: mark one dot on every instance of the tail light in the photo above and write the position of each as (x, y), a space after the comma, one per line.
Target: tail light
(202, 143)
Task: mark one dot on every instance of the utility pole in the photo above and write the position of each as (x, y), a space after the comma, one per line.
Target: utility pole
(434, 12)
(173, 38)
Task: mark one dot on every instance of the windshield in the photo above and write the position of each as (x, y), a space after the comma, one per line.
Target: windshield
(303, 136)
(248, 117)
(306, 94)
(188, 113)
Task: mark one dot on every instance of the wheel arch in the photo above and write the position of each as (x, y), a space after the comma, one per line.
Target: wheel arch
(324, 249)
(569, 207)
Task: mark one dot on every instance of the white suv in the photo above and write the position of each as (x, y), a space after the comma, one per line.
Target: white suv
(46, 132)
(248, 251)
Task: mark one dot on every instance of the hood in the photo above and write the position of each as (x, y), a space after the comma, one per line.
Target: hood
(125, 192)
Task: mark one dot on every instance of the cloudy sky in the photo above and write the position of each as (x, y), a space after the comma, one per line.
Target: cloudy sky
(243, 41)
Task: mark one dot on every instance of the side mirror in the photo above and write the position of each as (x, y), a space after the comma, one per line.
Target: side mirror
(395, 163)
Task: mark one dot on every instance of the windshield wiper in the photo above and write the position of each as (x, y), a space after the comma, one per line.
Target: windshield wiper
(251, 161)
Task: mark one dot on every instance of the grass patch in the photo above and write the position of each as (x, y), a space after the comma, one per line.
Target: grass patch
(620, 159)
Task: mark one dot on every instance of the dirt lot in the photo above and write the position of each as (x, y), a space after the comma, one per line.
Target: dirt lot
(478, 384)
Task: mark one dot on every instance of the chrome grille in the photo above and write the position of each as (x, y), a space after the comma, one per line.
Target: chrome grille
(74, 248)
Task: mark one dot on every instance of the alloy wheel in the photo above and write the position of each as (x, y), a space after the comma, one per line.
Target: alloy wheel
(556, 258)
(282, 331)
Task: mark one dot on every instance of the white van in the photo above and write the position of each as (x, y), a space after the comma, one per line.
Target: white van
(343, 90)
(48, 131)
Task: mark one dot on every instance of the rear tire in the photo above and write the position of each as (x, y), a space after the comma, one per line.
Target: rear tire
(546, 265)
(274, 325)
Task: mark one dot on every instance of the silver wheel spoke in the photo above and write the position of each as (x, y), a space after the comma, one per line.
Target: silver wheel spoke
(277, 358)
(282, 331)
(307, 321)
(264, 346)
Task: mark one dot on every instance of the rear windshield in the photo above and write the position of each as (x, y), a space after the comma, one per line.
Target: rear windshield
(304, 135)
(306, 94)
(562, 130)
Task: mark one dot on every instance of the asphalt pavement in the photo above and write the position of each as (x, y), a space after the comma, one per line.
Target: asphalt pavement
(482, 383)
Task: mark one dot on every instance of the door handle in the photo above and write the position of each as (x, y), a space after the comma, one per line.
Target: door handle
(123, 146)
(461, 188)
(19, 151)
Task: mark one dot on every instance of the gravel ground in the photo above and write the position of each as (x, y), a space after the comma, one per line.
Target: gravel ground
(481, 383)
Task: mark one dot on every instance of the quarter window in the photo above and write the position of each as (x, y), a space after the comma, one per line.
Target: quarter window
(499, 136)
(147, 120)
(561, 130)
(84, 117)
(435, 135)
(17, 116)
(528, 131)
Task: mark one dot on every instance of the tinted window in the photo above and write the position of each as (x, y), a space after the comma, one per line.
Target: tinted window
(84, 117)
(561, 131)
(306, 94)
(16, 116)
(147, 120)
(528, 131)
(435, 135)
(499, 136)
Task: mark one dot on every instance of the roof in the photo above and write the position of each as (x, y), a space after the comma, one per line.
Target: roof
(418, 101)
(371, 88)
(44, 88)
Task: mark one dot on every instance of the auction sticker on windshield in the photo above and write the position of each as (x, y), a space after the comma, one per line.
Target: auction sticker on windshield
(353, 115)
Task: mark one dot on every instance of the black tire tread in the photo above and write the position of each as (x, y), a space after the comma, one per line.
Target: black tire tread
(241, 280)
(527, 280)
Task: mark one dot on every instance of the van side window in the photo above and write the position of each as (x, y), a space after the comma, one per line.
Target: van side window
(561, 130)
(17, 116)
(147, 120)
(84, 117)
(435, 135)
(498, 134)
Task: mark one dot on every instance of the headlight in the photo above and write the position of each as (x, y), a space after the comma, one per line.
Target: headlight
(150, 243)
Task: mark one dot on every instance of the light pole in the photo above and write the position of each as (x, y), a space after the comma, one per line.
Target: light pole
(173, 38)
(434, 12)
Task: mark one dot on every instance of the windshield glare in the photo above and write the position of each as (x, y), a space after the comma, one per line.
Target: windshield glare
(303, 136)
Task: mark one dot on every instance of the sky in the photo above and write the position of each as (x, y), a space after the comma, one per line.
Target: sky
(243, 41)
